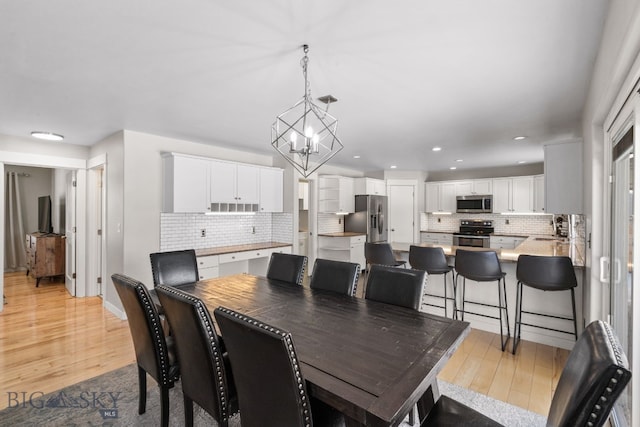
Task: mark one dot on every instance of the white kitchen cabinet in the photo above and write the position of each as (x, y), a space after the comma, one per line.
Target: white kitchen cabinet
(253, 262)
(185, 184)
(464, 188)
(336, 194)
(370, 186)
(513, 194)
(234, 187)
(208, 267)
(440, 196)
(563, 178)
(303, 195)
(505, 242)
(342, 248)
(482, 186)
(538, 193)
(271, 188)
(436, 238)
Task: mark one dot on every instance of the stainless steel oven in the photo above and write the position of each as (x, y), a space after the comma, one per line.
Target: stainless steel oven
(473, 241)
(474, 233)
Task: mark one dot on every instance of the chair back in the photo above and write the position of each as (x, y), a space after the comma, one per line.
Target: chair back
(481, 266)
(335, 276)
(174, 268)
(431, 260)
(271, 389)
(379, 253)
(149, 342)
(549, 273)
(205, 376)
(397, 286)
(593, 377)
(287, 268)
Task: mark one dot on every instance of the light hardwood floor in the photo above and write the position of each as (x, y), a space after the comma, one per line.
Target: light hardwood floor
(49, 340)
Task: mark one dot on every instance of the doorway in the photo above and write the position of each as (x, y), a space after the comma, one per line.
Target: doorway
(401, 211)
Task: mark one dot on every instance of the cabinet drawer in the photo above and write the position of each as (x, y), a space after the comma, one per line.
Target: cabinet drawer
(207, 261)
(209, 273)
(358, 239)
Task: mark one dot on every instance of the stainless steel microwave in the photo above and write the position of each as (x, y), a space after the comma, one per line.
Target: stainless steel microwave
(474, 204)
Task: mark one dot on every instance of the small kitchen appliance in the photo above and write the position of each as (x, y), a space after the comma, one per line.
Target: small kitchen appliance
(474, 233)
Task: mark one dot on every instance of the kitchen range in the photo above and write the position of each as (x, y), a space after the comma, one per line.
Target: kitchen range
(473, 232)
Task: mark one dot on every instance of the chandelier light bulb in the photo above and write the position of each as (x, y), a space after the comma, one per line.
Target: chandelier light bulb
(308, 132)
(315, 143)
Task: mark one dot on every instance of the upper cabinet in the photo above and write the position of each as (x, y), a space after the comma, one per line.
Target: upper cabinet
(513, 194)
(538, 193)
(440, 196)
(563, 178)
(336, 194)
(201, 185)
(370, 186)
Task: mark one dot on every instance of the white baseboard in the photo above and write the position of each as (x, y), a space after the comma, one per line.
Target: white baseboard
(115, 310)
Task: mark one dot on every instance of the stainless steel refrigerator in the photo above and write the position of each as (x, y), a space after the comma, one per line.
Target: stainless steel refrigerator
(369, 217)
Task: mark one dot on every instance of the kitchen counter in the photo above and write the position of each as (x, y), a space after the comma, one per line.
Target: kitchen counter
(240, 248)
(533, 245)
(343, 234)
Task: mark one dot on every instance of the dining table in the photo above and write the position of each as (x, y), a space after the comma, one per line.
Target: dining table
(371, 361)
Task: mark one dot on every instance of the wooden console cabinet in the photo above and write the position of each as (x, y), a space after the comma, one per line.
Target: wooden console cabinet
(45, 255)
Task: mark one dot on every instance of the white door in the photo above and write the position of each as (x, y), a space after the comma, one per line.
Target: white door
(70, 234)
(401, 213)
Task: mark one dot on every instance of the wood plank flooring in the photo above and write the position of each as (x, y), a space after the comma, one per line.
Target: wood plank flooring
(49, 340)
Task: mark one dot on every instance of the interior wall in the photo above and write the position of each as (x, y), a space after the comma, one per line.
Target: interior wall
(58, 200)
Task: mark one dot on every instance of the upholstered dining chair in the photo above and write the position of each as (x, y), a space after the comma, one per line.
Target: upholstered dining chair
(174, 268)
(335, 276)
(288, 268)
(593, 378)
(205, 372)
(154, 353)
(398, 286)
(271, 388)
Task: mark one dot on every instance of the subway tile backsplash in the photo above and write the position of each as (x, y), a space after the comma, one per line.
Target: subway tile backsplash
(503, 224)
(184, 231)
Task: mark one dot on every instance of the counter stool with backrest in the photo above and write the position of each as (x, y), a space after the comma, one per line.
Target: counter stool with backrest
(545, 273)
(483, 266)
(287, 268)
(434, 262)
(596, 373)
(380, 254)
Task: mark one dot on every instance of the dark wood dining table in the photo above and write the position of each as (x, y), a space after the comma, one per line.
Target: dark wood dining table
(371, 361)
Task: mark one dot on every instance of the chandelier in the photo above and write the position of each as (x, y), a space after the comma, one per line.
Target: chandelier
(305, 134)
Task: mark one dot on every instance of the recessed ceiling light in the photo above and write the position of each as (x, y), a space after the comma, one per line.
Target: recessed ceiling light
(521, 162)
(49, 136)
(436, 149)
(356, 157)
(453, 168)
(393, 166)
(519, 138)
(458, 160)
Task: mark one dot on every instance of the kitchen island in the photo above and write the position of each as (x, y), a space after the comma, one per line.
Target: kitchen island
(556, 303)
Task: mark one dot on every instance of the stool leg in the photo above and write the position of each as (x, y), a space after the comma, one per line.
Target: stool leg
(445, 294)
(500, 315)
(517, 326)
(575, 319)
(464, 288)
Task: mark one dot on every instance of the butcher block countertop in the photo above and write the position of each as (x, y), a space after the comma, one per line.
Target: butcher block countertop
(342, 234)
(240, 248)
(533, 245)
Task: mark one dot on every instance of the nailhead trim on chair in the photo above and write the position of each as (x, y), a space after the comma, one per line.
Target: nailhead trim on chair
(355, 281)
(292, 355)
(220, 379)
(301, 276)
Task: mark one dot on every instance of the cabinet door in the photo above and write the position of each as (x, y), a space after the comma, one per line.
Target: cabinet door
(522, 194)
(271, 190)
(247, 187)
(448, 197)
(538, 193)
(432, 197)
(379, 187)
(501, 195)
(223, 182)
(186, 186)
(482, 186)
(464, 188)
(347, 202)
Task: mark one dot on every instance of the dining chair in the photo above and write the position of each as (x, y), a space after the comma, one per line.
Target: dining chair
(544, 273)
(204, 369)
(335, 276)
(434, 262)
(287, 268)
(593, 378)
(397, 286)
(155, 353)
(174, 268)
(482, 266)
(271, 388)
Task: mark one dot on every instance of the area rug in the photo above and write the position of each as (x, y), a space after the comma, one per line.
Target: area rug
(112, 400)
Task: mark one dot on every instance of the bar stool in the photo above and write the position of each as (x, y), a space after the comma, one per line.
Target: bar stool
(434, 262)
(483, 266)
(546, 273)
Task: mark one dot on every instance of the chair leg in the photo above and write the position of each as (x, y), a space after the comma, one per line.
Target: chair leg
(517, 327)
(506, 306)
(164, 406)
(464, 288)
(502, 342)
(188, 411)
(142, 390)
(412, 417)
(575, 319)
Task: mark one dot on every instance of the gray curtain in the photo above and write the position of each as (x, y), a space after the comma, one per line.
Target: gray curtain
(14, 237)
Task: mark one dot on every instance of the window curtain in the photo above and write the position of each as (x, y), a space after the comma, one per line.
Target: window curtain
(14, 237)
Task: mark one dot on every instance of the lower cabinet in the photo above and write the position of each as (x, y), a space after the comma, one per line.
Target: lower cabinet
(208, 267)
(505, 242)
(436, 238)
(342, 248)
(253, 262)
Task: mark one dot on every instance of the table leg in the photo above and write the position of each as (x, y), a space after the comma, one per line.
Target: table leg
(350, 422)
(427, 401)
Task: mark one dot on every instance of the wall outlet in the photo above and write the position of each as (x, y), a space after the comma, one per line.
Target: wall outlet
(506, 221)
(439, 219)
(203, 232)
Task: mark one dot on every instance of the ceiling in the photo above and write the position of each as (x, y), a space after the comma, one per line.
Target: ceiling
(464, 75)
